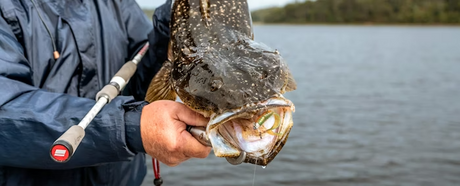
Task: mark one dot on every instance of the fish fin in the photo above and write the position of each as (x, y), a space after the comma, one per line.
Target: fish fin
(290, 83)
(160, 87)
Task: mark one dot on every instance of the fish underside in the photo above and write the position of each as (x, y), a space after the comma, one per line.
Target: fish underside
(217, 69)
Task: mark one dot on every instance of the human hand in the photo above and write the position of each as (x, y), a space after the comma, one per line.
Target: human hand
(164, 134)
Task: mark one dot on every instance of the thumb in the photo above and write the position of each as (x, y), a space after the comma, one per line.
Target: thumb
(190, 117)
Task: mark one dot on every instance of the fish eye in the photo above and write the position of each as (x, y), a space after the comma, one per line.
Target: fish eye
(264, 74)
(216, 83)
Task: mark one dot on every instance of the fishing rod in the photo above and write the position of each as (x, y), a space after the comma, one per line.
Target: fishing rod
(64, 147)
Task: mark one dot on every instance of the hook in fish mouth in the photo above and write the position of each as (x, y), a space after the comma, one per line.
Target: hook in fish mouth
(237, 160)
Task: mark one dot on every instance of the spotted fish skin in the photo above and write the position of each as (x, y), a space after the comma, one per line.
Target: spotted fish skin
(216, 68)
(216, 65)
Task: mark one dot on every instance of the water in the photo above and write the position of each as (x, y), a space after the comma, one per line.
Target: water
(375, 105)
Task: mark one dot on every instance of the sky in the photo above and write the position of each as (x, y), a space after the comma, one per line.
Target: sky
(253, 4)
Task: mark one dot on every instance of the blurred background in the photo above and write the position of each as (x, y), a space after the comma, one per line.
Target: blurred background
(377, 99)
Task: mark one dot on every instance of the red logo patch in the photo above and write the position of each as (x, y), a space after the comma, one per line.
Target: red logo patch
(60, 153)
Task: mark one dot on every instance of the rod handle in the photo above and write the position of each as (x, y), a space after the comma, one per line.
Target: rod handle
(64, 147)
(127, 71)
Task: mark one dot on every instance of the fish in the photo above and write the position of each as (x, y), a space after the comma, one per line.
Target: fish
(216, 68)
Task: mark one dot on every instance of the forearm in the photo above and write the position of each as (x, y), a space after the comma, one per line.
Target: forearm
(32, 119)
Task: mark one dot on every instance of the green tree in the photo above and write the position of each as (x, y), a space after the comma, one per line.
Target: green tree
(363, 11)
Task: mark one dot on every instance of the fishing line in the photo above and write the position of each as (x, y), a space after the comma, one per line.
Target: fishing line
(254, 176)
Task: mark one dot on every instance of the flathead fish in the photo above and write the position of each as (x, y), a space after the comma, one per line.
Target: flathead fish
(217, 69)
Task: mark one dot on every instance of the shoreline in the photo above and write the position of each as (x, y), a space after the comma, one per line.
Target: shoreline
(360, 24)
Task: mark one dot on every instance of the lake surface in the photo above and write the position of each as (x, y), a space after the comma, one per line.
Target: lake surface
(375, 105)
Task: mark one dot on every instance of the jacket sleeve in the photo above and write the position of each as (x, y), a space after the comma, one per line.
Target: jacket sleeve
(158, 38)
(31, 119)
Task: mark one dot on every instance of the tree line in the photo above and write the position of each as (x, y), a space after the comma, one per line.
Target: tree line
(363, 11)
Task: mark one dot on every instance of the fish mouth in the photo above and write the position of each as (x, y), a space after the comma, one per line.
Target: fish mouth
(258, 130)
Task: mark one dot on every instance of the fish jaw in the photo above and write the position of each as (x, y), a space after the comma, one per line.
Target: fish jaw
(259, 130)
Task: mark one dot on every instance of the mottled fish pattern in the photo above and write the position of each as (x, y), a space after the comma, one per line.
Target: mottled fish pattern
(214, 65)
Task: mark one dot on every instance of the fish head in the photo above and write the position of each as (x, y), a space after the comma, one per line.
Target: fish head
(228, 75)
(240, 87)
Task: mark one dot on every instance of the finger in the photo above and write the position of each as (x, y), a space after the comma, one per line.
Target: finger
(193, 148)
(189, 116)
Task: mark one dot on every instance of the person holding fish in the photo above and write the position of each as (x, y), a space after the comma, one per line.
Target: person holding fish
(54, 57)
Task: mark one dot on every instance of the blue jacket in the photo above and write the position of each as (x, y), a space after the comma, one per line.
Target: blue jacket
(41, 97)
